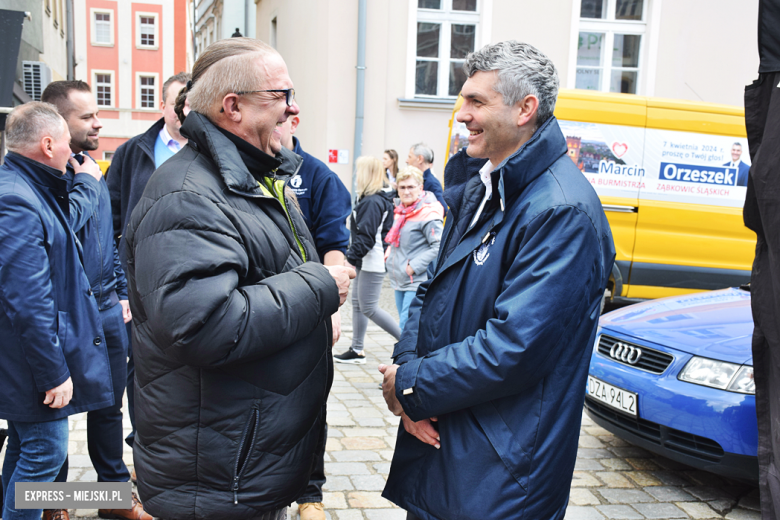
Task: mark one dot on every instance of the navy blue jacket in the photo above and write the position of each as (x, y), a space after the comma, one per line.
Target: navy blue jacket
(432, 184)
(91, 220)
(130, 170)
(498, 341)
(324, 202)
(49, 321)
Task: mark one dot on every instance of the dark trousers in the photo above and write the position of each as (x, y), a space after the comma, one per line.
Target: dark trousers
(130, 385)
(104, 427)
(762, 215)
(313, 491)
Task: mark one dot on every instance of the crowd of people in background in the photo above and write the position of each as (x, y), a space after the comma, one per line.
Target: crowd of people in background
(205, 273)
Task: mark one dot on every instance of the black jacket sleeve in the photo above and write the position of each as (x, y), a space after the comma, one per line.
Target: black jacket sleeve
(366, 219)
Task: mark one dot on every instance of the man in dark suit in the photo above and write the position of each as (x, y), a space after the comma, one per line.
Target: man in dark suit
(742, 168)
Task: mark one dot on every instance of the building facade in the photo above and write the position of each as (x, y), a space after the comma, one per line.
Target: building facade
(125, 50)
(219, 19)
(683, 49)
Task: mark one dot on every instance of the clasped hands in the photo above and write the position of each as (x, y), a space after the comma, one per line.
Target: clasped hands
(424, 429)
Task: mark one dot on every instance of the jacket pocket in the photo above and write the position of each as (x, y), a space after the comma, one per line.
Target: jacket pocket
(245, 448)
(504, 442)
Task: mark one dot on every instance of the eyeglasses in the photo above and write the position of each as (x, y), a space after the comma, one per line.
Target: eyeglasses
(289, 94)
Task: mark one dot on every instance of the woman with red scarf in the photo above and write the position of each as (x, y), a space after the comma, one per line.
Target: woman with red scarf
(414, 238)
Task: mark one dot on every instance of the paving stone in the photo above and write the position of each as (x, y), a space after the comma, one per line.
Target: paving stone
(386, 514)
(363, 443)
(669, 494)
(334, 500)
(616, 441)
(382, 467)
(643, 479)
(583, 497)
(642, 464)
(349, 514)
(333, 444)
(625, 496)
(743, 514)
(347, 468)
(83, 513)
(613, 479)
(587, 465)
(584, 479)
(596, 430)
(366, 412)
(356, 456)
(386, 454)
(340, 421)
(671, 478)
(619, 512)
(721, 505)
(333, 432)
(593, 453)
(631, 451)
(338, 483)
(365, 432)
(368, 482)
(698, 510)
(582, 513)
(616, 464)
(707, 493)
(367, 500)
(750, 502)
(587, 441)
(703, 478)
(661, 511)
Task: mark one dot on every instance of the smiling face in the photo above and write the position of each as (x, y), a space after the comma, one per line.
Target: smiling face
(409, 190)
(736, 152)
(495, 132)
(266, 112)
(83, 122)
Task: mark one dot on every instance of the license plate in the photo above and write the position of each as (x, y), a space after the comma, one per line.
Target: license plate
(613, 396)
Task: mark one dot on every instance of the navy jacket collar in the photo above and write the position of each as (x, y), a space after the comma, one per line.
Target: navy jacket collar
(544, 147)
(210, 140)
(38, 173)
(148, 138)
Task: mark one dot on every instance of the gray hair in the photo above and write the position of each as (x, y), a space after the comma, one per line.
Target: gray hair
(522, 70)
(226, 66)
(29, 123)
(424, 150)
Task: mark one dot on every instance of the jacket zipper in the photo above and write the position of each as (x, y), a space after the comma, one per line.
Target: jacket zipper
(251, 427)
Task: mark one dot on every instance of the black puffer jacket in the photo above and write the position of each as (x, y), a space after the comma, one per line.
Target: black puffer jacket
(231, 335)
(371, 220)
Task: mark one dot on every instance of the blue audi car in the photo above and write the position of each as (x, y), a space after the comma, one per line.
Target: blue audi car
(675, 376)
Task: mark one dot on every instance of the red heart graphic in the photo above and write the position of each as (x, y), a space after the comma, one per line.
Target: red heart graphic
(619, 149)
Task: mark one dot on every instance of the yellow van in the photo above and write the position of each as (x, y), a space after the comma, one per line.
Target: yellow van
(672, 178)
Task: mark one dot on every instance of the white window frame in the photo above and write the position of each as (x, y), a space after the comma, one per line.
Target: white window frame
(156, 89)
(156, 17)
(93, 26)
(112, 75)
(610, 26)
(446, 18)
(108, 155)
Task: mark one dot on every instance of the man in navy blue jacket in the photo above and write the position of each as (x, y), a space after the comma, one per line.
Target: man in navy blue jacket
(421, 157)
(54, 361)
(489, 375)
(325, 205)
(92, 224)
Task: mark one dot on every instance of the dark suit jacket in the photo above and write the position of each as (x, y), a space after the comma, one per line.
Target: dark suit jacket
(742, 172)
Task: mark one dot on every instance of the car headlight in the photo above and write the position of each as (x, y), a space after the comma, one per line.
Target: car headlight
(719, 374)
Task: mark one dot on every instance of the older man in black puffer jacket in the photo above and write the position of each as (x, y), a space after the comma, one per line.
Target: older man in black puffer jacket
(232, 319)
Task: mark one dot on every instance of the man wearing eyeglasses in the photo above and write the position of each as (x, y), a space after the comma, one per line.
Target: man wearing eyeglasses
(232, 308)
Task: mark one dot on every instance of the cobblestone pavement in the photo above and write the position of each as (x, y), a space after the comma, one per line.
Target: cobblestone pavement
(612, 478)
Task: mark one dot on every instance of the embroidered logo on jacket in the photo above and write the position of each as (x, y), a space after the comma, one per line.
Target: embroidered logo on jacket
(481, 254)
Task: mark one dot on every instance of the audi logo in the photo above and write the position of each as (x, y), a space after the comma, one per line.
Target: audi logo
(625, 353)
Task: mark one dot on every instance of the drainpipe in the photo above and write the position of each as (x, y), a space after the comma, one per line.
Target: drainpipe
(361, 91)
(69, 41)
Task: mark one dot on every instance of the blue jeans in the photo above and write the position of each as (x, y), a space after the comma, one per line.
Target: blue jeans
(104, 426)
(35, 453)
(402, 301)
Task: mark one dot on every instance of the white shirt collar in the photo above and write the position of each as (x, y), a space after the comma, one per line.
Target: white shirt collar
(169, 141)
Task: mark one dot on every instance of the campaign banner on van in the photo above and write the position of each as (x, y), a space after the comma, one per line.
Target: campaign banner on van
(632, 162)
